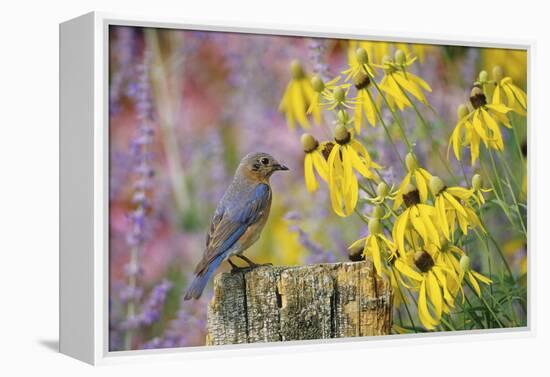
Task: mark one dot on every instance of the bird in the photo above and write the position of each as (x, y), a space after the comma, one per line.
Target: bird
(238, 219)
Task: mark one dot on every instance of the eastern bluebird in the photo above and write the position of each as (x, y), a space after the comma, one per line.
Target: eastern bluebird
(238, 219)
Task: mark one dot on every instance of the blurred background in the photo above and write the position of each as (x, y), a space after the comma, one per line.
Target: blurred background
(185, 106)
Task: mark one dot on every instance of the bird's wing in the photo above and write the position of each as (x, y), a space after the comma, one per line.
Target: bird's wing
(227, 227)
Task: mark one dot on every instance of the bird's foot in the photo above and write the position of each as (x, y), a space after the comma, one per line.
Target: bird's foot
(237, 269)
(256, 265)
(251, 264)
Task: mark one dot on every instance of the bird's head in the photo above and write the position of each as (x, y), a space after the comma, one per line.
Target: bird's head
(260, 166)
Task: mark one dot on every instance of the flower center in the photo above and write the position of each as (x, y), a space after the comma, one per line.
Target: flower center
(477, 98)
(327, 149)
(362, 81)
(411, 198)
(423, 261)
(341, 135)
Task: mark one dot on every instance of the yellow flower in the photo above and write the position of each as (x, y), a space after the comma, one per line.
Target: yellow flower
(477, 182)
(313, 160)
(383, 192)
(429, 276)
(375, 50)
(297, 98)
(421, 177)
(449, 208)
(472, 275)
(321, 91)
(364, 102)
(397, 81)
(358, 61)
(479, 124)
(376, 245)
(347, 155)
(449, 255)
(416, 220)
(507, 93)
(337, 98)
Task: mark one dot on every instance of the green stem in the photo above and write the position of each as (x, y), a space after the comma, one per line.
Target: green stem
(403, 298)
(387, 132)
(395, 116)
(486, 304)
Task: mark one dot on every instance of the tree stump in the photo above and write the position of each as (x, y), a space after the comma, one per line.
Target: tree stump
(271, 304)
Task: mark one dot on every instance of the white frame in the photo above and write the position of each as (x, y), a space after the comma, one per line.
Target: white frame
(84, 174)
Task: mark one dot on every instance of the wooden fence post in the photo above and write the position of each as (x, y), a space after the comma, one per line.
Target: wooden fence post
(270, 304)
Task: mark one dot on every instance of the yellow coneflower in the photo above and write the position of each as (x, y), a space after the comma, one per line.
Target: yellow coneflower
(364, 102)
(448, 207)
(479, 124)
(298, 97)
(376, 246)
(449, 255)
(416, 219)
(359, 64)
(473, 276)
(464, 134)
(313, 160)
(477, 183)
(421, 178)
(507, 93)
(346, 156)
(429, 276)
(397, 81)
(322, 91)
(375, 50)
(383, 192)
(337, 98)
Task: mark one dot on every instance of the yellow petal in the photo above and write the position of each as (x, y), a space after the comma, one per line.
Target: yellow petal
(423, 311)
(434, 293)
(311, 182)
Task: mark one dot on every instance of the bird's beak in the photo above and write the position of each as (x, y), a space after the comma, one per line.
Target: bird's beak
(280, 167)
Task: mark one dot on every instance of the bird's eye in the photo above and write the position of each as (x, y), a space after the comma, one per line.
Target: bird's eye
(265, 160)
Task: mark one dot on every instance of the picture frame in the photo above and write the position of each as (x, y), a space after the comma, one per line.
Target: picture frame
(84, 198)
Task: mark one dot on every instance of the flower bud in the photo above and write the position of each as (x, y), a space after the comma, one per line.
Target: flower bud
(498, 73)
(400, 57)
(309, 143)
(483, 76)
(462, 111)
(317, 84)
(361, 55)
(436, 185)
(387, 63)
(297, 70)
(477, 182)
(465, 263)
(410, 161)
(339, 94)
(382, 189)
(374, 226)
(378, 212)
(341, 134)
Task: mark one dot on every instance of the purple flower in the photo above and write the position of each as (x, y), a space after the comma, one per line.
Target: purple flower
(151, 310)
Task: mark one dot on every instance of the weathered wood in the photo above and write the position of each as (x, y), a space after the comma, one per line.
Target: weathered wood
(270, 304)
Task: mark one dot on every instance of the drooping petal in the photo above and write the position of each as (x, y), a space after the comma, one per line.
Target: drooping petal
(423, 311)
(311, 182)
(434, 293)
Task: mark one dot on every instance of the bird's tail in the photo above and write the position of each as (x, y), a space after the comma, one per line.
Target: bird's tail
(200, 280)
